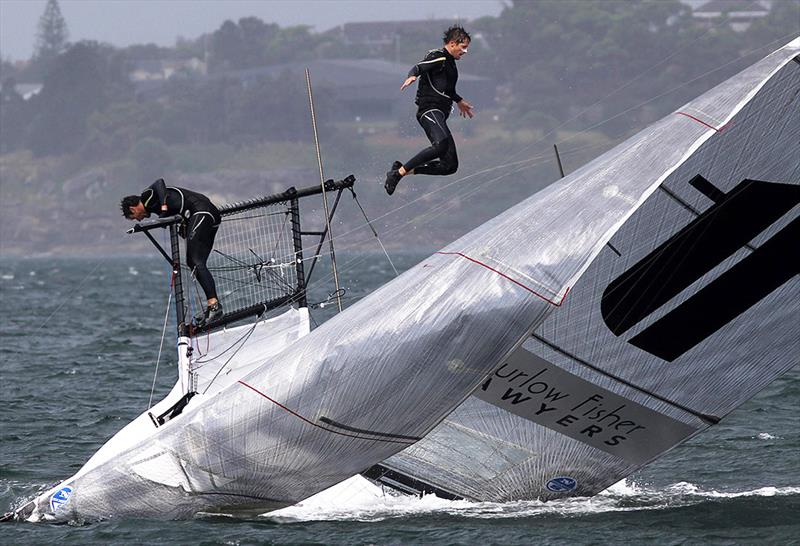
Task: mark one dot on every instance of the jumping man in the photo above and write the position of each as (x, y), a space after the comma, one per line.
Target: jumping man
(436, 93)
(200, 222)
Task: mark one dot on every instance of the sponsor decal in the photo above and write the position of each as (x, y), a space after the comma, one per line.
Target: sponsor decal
(730, 224)
(562, 484)
(537, 390)
(60, 498)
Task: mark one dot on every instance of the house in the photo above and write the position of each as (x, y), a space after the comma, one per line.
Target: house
(164, 69)
(740, 13)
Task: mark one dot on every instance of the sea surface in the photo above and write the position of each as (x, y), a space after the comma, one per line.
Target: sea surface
(79, 339)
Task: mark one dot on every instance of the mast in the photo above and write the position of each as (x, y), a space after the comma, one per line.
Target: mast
(177, 282)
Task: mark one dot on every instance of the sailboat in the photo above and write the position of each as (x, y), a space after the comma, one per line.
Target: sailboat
(643, 295)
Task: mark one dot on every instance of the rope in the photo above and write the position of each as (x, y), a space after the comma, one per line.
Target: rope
(243, 340)
(160, 347)
(355, 198)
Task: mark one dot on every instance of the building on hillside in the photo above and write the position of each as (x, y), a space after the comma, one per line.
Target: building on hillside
(740, 13)
(28, 90)
(164, 69)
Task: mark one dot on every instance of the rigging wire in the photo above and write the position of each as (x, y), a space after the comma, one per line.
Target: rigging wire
(160, 347)
(355, 198)
(322, 184)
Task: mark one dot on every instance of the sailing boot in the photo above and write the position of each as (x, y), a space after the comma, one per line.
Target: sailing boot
(393, 178)
(214, 312)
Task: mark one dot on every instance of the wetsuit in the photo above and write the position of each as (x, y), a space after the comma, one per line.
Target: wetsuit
(200, 222)
(436, 92)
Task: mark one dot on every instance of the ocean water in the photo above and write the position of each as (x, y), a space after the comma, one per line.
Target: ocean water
(78, 343)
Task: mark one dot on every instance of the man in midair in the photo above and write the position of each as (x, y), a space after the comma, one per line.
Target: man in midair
(200, 222)
(436, 93)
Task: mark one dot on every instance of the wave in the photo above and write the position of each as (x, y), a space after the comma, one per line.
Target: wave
(357, 499)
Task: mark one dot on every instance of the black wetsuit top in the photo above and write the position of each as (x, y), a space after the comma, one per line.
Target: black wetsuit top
(437, 76)
(200, 222)
(180, 201)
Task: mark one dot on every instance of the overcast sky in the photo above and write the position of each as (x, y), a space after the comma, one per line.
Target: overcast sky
(125, 22)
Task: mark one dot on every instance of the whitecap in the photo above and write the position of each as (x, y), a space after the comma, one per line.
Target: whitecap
(358, 499)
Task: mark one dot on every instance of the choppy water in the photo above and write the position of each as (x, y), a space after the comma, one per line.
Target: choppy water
(78, 343)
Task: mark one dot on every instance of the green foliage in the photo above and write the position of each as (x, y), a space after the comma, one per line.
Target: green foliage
(554, 62)
(51, 38)
(84, 80)
(252, 43)
(13, 117)
(114, 131)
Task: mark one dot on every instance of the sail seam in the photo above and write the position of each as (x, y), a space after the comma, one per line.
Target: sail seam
(700, 121)
(490, 268)
(255, 390)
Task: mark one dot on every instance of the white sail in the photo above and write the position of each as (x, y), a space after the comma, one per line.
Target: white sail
(689, 310)
(381, 375)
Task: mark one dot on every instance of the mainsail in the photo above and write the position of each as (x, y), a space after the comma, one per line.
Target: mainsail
(688, 309)
(380, 376)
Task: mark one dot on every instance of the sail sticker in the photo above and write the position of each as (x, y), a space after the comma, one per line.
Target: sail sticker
(60, 498)
(735, 218)
(537, 390)
(562, 484)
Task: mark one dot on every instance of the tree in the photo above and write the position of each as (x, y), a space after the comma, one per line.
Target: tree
(84, 80)
(51, 39)
(14, 115)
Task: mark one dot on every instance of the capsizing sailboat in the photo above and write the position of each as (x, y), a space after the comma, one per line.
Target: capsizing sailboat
(536, 280)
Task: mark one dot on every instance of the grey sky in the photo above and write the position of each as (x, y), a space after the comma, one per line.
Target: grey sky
(125, 22)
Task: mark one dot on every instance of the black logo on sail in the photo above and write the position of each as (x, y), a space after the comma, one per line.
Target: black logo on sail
(727, 226)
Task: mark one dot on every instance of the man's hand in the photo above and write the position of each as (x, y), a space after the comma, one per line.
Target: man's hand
(409, 81)
(465, 109)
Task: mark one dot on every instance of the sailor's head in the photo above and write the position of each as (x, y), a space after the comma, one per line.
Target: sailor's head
(456, 41)
(133, 208)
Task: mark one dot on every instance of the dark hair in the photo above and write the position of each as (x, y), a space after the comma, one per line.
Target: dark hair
(128, 202)
(457, 33)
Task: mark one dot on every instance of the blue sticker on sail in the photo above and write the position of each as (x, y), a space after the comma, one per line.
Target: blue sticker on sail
(60, 498)
(561, 484)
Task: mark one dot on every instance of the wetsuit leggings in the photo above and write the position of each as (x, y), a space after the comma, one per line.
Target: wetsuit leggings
(440, 157)
(199, 240)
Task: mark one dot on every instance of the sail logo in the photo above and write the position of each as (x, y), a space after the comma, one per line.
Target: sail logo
(735, 219)
(60, 498)
(530, 387)
(562, 484)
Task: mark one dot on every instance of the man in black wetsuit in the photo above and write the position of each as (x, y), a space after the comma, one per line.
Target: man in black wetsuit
(436, 93)
(200, 222)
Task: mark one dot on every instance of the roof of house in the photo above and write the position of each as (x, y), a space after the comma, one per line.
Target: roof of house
(728, 6)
